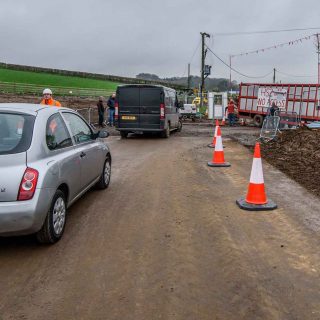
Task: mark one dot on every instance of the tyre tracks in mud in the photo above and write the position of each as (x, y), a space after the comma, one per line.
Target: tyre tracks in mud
(167, 241)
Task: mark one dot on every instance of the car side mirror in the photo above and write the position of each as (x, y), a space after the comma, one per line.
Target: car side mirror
(52, 145)
(103, 134)
(100, 134)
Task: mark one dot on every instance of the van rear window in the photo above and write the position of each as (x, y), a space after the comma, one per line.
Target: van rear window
(15, 132)
(129, 97)
(150, 97)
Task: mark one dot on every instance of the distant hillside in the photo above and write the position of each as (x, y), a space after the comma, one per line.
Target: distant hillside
(87, 75)
(214, 84)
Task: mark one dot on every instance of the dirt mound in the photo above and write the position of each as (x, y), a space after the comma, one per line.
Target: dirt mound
(297, 153)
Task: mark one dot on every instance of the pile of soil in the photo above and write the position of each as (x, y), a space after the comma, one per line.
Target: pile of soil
(297, 153)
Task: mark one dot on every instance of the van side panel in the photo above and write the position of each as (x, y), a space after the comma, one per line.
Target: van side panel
(172, 112)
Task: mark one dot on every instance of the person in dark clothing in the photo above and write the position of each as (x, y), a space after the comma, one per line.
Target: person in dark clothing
(273, 109)
(101, 111)
(111, 104)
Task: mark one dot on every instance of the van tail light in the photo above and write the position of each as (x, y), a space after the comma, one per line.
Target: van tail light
(116, 111)
(162, 113)
(28, 184)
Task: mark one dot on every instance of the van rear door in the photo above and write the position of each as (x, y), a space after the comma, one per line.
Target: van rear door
(129, 107)
(150, 100)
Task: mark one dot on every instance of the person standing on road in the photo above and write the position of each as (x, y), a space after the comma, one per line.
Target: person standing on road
(48, 100)
(231, 112)
(111, 104)
(101, 111)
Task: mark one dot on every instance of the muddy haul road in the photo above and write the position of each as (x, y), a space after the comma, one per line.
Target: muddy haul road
(167, 241)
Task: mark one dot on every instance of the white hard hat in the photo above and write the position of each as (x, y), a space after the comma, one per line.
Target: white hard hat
(47, 91)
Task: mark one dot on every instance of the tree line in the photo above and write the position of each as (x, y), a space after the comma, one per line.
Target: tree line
(211, 84)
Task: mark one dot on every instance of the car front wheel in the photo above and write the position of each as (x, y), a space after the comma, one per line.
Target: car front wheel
(55, 221)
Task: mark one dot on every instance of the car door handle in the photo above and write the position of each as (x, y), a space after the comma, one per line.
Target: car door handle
(82, 154)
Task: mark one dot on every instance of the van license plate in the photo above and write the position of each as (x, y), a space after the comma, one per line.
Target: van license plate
(128, 118)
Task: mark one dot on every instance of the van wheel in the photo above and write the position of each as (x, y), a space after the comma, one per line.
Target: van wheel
(54, 224)
(123, 134)
(179, 126)
(166, 133)
(104, 180)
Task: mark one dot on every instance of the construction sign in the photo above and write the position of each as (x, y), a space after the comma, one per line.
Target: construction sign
(268, 95)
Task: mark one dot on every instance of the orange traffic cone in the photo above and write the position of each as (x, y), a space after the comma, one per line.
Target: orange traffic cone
(212, 144)
(256, 199)
(218, 154)
(223, 122)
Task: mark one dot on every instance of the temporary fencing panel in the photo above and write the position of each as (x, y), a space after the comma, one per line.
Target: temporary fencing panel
(301, 99)
(269, 128)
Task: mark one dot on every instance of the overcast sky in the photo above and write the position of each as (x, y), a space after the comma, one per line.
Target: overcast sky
(127, 37)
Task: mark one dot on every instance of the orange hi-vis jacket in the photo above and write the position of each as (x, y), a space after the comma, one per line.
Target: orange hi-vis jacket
(231, 107)
(51, 102)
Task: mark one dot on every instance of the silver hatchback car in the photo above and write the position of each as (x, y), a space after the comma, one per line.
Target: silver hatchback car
(49, 157)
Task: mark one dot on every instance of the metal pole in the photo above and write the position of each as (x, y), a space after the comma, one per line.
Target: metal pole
(274, 75)
(318, 51)
(203, 35)
(230, 72)
(189, 76)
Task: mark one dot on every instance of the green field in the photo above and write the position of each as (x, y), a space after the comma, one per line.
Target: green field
(47, 80)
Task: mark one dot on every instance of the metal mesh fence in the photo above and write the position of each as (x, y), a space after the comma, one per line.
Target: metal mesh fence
(269, 128)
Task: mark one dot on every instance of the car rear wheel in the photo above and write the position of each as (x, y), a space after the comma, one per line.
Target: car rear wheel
(55, 221)
(105, 177)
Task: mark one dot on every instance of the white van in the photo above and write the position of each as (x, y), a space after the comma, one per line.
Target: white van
(188, 111)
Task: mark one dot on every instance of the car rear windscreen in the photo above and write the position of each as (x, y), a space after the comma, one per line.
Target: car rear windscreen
(15, 132)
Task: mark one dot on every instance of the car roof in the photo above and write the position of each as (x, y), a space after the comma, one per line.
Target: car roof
(28, 108)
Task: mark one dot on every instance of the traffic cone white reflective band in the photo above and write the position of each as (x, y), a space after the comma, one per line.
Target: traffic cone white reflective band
(256, 172)
(218, 145)
(215, 133)
(214, 137)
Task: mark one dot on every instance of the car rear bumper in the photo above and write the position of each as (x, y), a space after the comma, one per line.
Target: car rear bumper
(25, 217)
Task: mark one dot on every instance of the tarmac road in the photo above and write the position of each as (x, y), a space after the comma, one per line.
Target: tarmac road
(167, 241)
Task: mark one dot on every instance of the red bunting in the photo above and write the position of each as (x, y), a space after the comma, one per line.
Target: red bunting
(281, 45)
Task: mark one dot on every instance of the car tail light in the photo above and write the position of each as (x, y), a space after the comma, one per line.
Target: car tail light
(28, 184)
(116, 111)
(162, 112)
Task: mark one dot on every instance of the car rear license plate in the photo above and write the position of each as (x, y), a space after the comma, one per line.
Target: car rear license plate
(128, 118)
